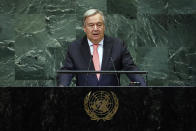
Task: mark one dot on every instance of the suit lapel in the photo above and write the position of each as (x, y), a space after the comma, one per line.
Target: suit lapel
(107, 48)
(85, 52)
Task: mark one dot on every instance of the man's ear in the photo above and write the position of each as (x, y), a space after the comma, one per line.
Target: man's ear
(84, 29)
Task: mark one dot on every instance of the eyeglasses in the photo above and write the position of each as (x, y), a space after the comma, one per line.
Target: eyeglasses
(98, 25)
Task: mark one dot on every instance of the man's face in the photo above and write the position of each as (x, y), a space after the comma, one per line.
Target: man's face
(94, 28)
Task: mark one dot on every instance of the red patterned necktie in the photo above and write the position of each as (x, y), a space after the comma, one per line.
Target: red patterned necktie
(96, 59)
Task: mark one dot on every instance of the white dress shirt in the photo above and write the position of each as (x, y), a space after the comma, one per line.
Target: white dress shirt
(100, 50)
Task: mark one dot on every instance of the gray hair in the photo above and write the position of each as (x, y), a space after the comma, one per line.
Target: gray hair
(92, 12)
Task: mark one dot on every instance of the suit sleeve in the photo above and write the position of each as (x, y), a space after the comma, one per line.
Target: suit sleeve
(65, 79)
(128, 64)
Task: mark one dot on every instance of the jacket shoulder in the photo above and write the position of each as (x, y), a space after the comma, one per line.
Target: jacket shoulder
(114, 40)
(76, 42)
(75, 45)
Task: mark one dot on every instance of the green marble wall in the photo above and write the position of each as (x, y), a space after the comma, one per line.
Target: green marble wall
(34, 34)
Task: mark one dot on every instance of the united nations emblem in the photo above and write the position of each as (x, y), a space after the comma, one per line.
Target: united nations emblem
(101, 105)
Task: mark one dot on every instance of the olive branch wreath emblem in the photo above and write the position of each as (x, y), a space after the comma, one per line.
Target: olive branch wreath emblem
(106, 100)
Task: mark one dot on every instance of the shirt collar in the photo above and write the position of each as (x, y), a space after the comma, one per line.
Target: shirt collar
(91, 44)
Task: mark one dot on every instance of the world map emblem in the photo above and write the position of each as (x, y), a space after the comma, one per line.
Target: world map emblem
(101, 105)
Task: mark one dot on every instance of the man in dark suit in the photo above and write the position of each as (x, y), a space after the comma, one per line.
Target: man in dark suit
(96, 51)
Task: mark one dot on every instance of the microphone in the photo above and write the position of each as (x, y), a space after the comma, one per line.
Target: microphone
(115, 70)
(89, 64)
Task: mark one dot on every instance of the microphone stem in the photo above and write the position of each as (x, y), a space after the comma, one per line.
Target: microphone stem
(115, 72)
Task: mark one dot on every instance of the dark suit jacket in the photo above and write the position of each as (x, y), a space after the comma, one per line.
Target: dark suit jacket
(115, 57)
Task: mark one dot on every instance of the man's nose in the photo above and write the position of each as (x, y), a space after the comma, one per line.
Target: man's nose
(95, 27)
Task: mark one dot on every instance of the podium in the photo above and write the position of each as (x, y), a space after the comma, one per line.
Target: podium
(107, 72)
